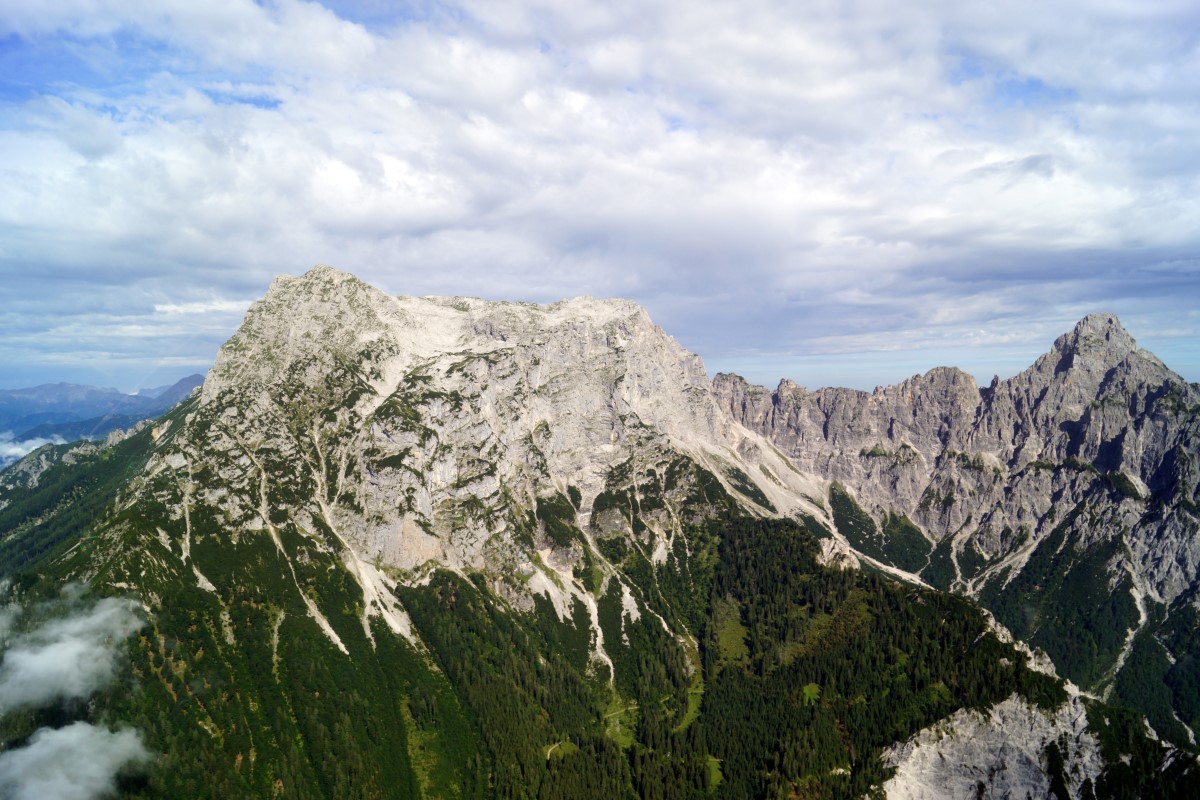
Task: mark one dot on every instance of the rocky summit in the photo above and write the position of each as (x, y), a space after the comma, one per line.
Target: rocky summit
(1064, 498)
(448, 547)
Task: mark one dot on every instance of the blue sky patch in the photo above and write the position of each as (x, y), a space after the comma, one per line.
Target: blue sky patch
(1029, 92)
(964, 68)
(233, 97)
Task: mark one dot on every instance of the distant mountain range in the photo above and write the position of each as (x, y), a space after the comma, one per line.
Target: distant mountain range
(65, 412)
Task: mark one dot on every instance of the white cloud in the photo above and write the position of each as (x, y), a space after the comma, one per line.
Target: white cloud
(49, 658)
(717, 162)
(203, 307)
(11, 450)
(77, 762)
(66, 658)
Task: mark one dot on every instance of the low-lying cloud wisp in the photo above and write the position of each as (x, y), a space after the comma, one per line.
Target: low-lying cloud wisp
(78, 762)
(65, 659)
(11, 450)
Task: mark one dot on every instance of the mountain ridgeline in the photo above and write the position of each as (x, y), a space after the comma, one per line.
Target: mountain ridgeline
(1063, 499)
(445, 547)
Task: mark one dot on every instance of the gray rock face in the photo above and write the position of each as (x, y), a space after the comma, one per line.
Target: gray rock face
(1093, 448)
(1002, 750)
(423, 429)
(457, 411)
(890, 439)
(422, 433)
(1094, 402)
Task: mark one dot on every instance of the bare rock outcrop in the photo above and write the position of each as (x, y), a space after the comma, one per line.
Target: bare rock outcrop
(959, 460)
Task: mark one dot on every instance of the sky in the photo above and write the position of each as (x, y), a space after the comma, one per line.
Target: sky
(841, 193)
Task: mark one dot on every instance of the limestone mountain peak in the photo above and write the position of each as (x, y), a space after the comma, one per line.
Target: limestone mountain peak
(496, 401)
(1097, 339)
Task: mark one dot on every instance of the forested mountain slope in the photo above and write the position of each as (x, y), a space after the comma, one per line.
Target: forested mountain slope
(413, 547)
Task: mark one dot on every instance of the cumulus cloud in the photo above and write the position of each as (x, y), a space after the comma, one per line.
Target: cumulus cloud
(769, 178)
(66, 658)
(77, 762)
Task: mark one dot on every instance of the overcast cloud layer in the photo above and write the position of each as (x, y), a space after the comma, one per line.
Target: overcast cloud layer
(834, 192)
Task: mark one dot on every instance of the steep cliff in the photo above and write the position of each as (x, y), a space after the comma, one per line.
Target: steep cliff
(1064, 498)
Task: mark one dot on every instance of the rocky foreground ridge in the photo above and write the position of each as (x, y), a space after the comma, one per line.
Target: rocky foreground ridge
(423, 509)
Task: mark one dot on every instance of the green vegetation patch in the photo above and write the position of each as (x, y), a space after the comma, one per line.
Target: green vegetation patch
(742, 483)
(1117, 481)
(557, 516)
(524, 692)
(69, 499)
(904, 544)
(1061, 601)
(900, 544)
(730, 633)
(840, 663)
(854, 523)
(903, 455)
(613, 548)
(971, 461)
(1120, 483)
(939, 572)
(1142, 684)
(816, 527)
(1135, 766)
(970, 560)
(1180, 635)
